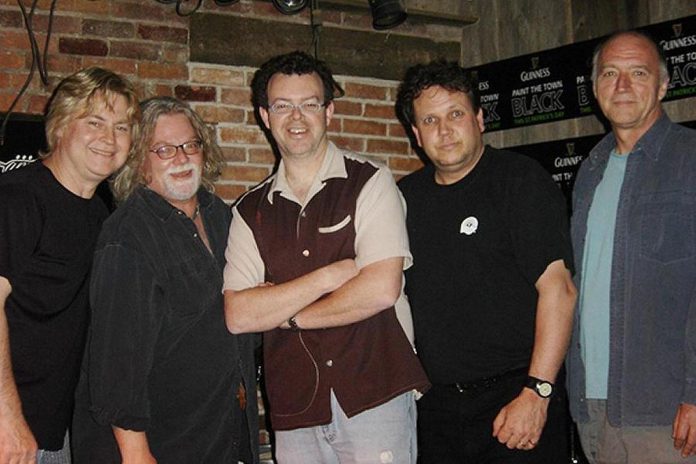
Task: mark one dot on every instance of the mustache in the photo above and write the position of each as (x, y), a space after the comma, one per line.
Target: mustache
(182, 168)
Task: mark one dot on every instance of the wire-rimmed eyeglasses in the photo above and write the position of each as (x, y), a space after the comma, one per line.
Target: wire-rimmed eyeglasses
(287, 107)
(190, 148)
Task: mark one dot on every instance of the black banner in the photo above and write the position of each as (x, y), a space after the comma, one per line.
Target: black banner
(24, 139)
(562, 158)
(555, 84)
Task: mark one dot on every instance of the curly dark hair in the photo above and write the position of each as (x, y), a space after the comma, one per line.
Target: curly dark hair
(296, 62)
(446, 74)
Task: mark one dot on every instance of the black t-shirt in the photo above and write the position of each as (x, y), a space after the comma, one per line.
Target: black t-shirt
(478, 247)
(47, 237)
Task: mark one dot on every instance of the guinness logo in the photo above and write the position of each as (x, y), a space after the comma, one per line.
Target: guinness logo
(570, 148)
(677, 29)
(535, 62)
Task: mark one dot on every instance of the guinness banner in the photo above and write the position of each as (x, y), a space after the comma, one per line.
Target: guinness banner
(562, 158)
(555, 84)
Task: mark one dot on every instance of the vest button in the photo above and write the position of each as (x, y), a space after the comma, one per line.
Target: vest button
(305, 253)
(329, 363)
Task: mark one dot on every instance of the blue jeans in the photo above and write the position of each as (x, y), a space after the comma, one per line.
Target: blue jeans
(62, 456)
(385, 434)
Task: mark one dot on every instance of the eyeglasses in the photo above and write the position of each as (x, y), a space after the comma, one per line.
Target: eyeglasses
(286, 108)
(166, 152)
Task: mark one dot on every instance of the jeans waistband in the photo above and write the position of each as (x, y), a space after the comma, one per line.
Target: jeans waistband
(484, 383)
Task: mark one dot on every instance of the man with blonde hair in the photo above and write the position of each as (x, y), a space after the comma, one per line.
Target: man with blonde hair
(49, 222)
(163, 380)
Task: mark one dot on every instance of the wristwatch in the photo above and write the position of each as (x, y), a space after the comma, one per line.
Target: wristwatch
(542, 388)
(293, 324)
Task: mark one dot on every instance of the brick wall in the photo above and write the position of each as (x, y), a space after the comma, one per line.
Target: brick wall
(148, 42)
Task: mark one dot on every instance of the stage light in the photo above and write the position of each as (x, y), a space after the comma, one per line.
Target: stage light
(387, 13)
(290, 7)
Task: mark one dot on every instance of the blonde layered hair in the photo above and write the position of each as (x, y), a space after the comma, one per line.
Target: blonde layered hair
(76, 96)
(130, 176)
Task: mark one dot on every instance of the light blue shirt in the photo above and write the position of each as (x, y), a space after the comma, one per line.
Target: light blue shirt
(595, 288)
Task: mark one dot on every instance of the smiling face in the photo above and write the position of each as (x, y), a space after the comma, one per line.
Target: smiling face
(449, 130)
(176, 179)
(299, 134)
(628, 85)
(90, 148)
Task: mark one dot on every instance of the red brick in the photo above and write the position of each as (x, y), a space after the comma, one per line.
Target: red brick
(6, 100)
(172, 53)
(10, 19)
(365, 91)
(11, 81)
(234, 153)
(13, 60)
(153, 11)
(330, 16)
(164, 90)
(335, 125)
(379, 111)
(359, 126)
(261, 156)
(64, 64)
(236, 96)
(12, 40)
(195, 93)
(245, 173)
(117, 65)
(242, 135)
(111, 29)
(217, 76)
(348, 108)
(37, 104)
(92, 47)
(349, 143)
(163, 71)
(84, 6)
(61, 24)
(217, 113)
(403, 164)
(397, 130)
(163, 34)
(388, 146)
(135, 50)
(229, 192)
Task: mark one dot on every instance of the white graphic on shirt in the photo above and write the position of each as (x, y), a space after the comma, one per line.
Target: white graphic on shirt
(469, 226)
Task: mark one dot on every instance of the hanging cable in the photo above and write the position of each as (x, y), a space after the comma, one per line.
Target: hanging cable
(38, 60)
(316, 22)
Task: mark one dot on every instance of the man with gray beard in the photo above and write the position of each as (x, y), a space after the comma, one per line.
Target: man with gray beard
(163, 379)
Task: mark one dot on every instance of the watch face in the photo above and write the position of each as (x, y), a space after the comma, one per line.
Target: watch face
(544, 389)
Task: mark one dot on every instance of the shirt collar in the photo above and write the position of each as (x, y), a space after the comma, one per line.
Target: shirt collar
(650, 143)
(164, 210)
(333, 166)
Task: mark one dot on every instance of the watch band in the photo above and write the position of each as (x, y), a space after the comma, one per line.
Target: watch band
(543, 388)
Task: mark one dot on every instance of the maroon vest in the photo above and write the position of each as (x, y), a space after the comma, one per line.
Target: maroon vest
(366, 363)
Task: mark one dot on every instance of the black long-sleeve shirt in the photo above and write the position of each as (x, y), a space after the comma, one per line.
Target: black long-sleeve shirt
(160, 358)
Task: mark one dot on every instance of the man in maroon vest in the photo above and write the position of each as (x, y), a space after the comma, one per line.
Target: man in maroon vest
(315, 261)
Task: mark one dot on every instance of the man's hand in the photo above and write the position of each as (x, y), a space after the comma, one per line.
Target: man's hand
(684, 429)
(520, 423)
(17, 444)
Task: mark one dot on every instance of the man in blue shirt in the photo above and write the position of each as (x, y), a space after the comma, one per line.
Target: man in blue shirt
(632, 360)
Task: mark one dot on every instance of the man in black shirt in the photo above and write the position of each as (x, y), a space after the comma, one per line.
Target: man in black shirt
(49, 222)
(163, 378)
(490, 287)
